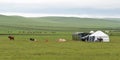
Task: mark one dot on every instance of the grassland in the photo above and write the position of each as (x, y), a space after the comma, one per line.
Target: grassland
(51, 29)
(23, 49)
(16, 23)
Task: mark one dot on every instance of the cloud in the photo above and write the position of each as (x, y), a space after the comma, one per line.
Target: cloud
(83, 8)
(99, 4)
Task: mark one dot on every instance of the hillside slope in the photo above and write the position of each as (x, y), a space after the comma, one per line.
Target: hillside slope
(54, 23)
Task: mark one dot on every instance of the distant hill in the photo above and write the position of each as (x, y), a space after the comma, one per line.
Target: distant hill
(115, 19)
(55, 23)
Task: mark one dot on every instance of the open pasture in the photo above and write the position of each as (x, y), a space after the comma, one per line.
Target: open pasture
(47, 30)
(24, 49)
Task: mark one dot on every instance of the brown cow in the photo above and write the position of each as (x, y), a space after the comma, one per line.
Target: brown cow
(11, 37)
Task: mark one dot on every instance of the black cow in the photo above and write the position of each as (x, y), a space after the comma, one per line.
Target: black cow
(32, 39)
(100, 39)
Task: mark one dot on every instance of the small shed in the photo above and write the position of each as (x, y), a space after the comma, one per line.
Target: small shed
(91, 32)
(79, 35)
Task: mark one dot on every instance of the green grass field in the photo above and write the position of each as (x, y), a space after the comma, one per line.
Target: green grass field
(51, 29)
(23, 49)
(16, 23)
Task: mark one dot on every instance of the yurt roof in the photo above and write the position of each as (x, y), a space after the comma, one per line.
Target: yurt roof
(99, 33)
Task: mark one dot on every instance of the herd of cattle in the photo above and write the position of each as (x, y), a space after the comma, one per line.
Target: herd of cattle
(33, 39)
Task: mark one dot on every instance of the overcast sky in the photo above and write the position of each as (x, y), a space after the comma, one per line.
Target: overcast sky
(78, 8)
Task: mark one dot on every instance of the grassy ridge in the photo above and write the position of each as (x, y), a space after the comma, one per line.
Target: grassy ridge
(55, 23)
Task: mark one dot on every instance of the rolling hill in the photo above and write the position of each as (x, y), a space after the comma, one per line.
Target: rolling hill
(55, 23)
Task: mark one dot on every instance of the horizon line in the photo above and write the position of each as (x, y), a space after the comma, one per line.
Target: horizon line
(56, 15)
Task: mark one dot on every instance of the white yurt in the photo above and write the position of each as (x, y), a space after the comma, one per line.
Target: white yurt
(98, 36)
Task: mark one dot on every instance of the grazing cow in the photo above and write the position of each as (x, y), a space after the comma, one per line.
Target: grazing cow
(32, 39)
(61, 40)
(100, 39)
(11, 37)
(46, 40)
